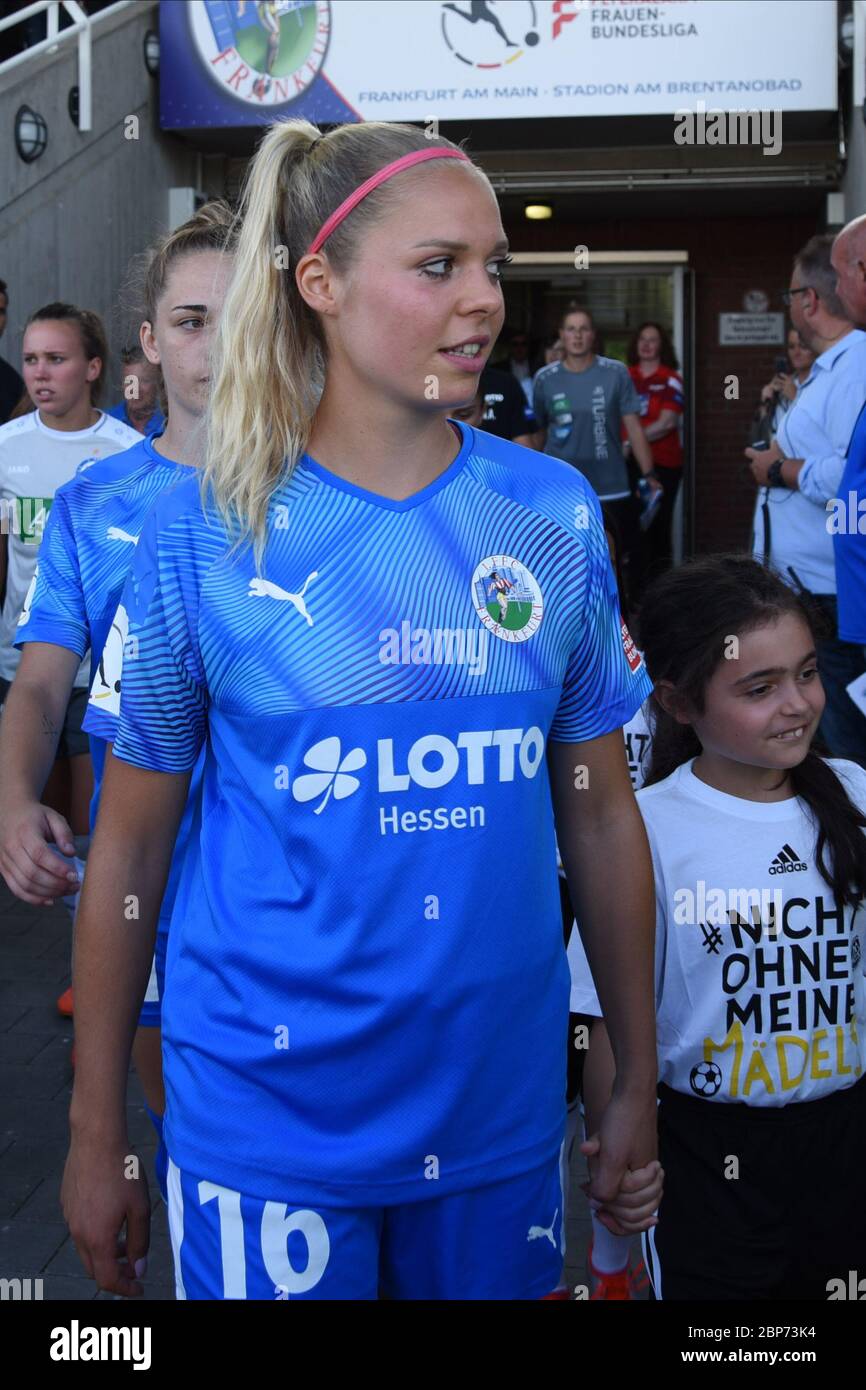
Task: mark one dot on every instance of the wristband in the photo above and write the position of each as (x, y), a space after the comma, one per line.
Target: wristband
(774, 474)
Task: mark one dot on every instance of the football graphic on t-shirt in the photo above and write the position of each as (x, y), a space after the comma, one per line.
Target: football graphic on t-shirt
(705, 1079)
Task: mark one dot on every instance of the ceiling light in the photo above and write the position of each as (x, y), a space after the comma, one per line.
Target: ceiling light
(538, 212)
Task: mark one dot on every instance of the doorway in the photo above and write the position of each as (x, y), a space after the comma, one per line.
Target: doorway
(621, 289)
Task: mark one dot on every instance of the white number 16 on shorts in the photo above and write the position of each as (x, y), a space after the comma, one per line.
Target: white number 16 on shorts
(273, 1254)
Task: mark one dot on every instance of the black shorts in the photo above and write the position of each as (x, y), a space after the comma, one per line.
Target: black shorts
(72, 742)
(792, 1220)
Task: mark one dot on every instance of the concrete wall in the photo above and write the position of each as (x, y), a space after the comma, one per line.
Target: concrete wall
(71, 221)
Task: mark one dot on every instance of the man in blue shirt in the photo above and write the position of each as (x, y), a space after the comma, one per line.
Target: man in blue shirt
(849, 541)
(803, 469)
(140, 405)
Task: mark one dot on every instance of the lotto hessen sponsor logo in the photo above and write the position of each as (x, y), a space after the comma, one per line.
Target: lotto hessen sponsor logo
(507, 598)
(475, 757)
(788, 861)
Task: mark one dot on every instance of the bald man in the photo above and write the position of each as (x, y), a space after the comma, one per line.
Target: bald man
(848, 259)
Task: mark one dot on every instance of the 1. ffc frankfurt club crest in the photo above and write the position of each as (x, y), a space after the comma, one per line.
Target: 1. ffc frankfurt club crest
(507, 598)
(264, 52)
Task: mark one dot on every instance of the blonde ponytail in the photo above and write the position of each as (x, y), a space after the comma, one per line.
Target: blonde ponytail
(269, 356)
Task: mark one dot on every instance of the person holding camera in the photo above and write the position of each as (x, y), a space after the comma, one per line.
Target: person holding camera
(780, 393)
(801, 472)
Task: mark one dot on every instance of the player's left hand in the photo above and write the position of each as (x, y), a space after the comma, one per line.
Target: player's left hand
(635, 1208)
(626, 1145)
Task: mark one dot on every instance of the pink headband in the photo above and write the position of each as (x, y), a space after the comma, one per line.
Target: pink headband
(405, 162)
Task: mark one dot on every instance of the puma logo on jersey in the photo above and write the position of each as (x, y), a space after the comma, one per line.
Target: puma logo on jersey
(115, 533)
(544, 1232)
(263, 588)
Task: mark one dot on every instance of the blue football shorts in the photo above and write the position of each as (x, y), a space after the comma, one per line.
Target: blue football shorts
(502, 1241)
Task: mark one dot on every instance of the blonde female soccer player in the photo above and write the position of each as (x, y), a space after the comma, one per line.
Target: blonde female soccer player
(366, 1005)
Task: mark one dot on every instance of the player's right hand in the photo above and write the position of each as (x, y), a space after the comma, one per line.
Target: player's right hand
(29, 862)
(99, 1200)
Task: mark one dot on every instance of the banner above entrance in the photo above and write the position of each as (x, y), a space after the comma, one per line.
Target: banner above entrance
(227, 63)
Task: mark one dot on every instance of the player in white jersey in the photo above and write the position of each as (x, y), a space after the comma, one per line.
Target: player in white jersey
(63, 360)
(760, 865)
(64, 354)
(337, 1109)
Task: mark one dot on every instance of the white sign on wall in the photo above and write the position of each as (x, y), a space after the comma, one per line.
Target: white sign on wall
(235, 62)
(748, 330)
(567, 57)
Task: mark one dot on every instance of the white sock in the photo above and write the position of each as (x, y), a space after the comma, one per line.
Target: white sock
(609, 1252)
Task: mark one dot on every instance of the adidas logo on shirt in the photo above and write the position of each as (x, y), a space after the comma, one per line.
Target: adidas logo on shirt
(788, 861)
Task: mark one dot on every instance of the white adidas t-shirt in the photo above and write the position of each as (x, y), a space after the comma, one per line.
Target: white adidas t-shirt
(584, 999)
(760, 990)
(34, 462)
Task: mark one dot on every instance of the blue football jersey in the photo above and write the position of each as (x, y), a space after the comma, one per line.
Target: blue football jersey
(369, 994)
(84, 559)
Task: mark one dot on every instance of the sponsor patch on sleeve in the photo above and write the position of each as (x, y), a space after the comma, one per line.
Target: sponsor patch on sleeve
(632, 655)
